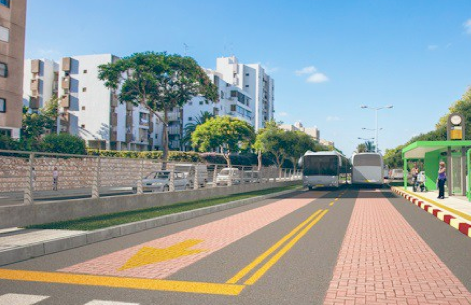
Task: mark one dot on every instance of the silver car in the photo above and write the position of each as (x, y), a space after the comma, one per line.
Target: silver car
(159, 181)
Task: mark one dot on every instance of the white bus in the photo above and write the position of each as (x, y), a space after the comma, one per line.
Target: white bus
(324, 169)
(367, 169)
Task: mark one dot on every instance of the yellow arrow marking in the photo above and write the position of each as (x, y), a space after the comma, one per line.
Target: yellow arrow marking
(149, 255)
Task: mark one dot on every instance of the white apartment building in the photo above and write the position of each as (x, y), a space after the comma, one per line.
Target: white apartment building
(298, 126)
(92, 111)
(253, 80)
(40, 82)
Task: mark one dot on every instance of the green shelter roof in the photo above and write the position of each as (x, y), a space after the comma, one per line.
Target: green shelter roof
(418, 149)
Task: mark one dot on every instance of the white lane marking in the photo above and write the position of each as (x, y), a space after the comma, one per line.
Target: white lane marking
(99, 302)
(21, 299)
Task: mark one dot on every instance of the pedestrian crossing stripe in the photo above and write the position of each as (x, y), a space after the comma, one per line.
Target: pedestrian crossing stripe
(30, 299)
(21, 299)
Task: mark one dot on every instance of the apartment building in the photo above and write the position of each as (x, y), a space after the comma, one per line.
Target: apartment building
(92, 111)
(298, 126)
(255, 82)
(40, 82)
(12, 47)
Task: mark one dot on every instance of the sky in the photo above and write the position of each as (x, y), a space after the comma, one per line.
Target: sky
(328, 58)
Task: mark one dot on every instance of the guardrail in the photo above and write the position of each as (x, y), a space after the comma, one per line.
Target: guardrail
(26, 177)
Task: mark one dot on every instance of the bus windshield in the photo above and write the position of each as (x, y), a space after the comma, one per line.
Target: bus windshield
(321, 165)
(367, 160)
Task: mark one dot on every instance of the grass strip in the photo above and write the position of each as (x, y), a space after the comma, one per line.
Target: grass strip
(114, 219)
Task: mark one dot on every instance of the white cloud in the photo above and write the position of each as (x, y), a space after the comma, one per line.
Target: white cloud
(283, 114)
(332, 118)
(317, 78)
(306, 70)
(467, 26)
(432, 47)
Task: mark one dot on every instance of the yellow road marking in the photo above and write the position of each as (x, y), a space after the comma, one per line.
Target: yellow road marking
(260, 272)
(332, 203)
(336, 199)
(273, 248)
(149, 255)
(120, 282)
(461, 214)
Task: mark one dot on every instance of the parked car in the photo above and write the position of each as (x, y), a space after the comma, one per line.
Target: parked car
(227, 174)
(191, 169)
(251, 177)
(396, 173)
(159, 181)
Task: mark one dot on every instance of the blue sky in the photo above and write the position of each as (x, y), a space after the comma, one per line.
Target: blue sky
(327, 57)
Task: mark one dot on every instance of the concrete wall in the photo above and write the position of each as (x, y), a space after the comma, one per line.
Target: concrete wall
(39, 213)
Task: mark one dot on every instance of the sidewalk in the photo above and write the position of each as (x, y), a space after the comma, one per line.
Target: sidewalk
(453, 210)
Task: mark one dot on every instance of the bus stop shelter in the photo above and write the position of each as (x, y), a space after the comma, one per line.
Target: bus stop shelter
(456, 155)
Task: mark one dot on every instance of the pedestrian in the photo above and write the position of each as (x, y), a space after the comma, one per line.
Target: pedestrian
(441, 180)
(33, 175)
(55, 177)
(415, 174)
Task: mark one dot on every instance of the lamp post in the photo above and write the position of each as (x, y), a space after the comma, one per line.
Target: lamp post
(376, 109)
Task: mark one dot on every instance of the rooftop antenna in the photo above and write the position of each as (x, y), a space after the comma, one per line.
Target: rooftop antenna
(185, 49)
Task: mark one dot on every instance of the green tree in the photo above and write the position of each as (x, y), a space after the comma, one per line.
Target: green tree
(275, 141)
(158, 82)
(298, 143)
(64, 143)
(361, 148)
(225, 133)
(260, 141)
(191, 127)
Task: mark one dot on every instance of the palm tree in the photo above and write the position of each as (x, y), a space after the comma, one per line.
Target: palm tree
(191, 127)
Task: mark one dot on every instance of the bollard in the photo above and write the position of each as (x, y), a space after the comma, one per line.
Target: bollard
(171, 187)
(196, 183)
(140, 189)
(30, 177)
(215, 175)
(96, 179)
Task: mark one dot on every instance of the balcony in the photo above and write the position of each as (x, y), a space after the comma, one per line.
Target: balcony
(65, 84)
(174, 117)
(34, 103)
(35, 67)
(114, 119)
(129, 137)
(114, 136)
(34, 86)
(66, 64)
(129, 120)
(174, 130)
(65, 101)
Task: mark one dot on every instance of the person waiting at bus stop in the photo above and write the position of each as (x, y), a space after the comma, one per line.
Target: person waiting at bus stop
(441, 180)
(415, 174)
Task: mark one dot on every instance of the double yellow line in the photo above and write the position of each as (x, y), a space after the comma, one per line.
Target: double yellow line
(297, 232)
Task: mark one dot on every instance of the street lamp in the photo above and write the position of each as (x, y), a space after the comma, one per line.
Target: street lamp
(371, 129)
(376, 109)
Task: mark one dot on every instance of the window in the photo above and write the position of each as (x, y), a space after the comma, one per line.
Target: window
(85, 71)
(233, 107)
(5, 3)
(201, 102)
(3, 70)
(5, 132)
(246, 74)
(4, 34)
(246, 86)
(83, 126)
(84, 89)
(3, 105)
(83, 107)
(190, 118)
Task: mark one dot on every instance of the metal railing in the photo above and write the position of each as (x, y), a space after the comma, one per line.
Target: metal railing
(26, 177)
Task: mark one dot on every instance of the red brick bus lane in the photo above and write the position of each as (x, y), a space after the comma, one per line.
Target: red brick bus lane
(160, 258)
(384, 261)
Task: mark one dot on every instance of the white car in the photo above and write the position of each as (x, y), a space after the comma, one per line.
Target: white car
(159, 181)
(227, 174)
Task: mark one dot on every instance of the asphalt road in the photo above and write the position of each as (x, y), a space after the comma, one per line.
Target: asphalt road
(301, 249)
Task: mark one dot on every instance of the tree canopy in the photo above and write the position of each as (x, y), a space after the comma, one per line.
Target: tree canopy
(225, 133)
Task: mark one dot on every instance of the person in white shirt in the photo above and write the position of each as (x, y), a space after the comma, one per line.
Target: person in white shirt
(55, 177)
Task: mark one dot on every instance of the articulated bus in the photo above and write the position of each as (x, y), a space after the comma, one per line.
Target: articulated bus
(324, 169)
(367, 169)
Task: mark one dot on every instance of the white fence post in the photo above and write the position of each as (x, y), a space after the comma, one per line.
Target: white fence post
(31, 173)
(96, 179)
(171, 187)
(140, 189)
(215, 175)
(196, 182)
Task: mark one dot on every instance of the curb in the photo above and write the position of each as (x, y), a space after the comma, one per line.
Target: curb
(23, 253)
(445, 216)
